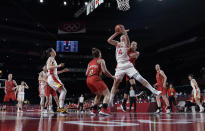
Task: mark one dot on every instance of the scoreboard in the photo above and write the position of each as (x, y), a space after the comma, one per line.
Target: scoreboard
(66, 46)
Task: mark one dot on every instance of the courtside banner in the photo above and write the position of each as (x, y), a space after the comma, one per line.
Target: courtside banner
(71, 27)
(92, 5)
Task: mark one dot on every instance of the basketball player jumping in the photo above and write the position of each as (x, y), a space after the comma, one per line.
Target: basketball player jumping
(53, 79)
(124, 66)
(196, 91)
(161, 86)
(130, 82)
(95, 83)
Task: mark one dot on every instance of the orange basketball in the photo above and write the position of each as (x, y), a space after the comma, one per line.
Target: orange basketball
(118, 28)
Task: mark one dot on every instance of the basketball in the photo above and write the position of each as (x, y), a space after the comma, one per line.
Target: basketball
(118, 28)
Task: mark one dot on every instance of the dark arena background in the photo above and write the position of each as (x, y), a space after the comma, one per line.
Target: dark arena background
(168, 32)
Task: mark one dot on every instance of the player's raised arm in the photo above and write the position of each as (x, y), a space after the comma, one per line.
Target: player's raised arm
(111, 39)
(124, 32)
(104, 69)
(25, 85)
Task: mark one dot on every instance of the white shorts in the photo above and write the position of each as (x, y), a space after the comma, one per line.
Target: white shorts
(125, 68)
(42, 90)
(20, 97)
(54, 82)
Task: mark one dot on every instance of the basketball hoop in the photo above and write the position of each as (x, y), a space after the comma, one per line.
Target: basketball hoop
(123, 5)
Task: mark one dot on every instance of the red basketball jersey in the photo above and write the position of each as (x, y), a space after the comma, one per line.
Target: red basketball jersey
(9, 86)
(132, 60)
(94, 68)
(160, 79)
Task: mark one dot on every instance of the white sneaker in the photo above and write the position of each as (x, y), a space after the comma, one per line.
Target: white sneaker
(201, 109)
(156, 92)
(18, 111)
(45, 111)
(51, 111)
(158, 111)
(168, 111)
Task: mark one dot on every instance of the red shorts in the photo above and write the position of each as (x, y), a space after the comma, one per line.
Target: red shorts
(9, 96)
(162, 89)
(95, 84)
(50, 91)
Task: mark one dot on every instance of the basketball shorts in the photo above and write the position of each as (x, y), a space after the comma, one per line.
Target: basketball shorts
(54, 82)
(9, 96)
(125, 69)
(20, 97)
(50, 91)
(96, 85)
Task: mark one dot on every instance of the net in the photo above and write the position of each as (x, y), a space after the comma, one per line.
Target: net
(123, 5)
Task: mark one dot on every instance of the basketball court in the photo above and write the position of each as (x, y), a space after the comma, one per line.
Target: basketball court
(102, 65)
(116, 122)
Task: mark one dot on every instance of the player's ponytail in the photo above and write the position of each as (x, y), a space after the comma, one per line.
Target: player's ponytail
(95, 52)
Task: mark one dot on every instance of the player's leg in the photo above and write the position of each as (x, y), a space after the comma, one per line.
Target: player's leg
(106, 94)
(135, 104)
(126, 94)
(119, 74)
(95, 107)
(164, 97)
(145, 83)
(42, 102)
(50, 105)
(62, 96)
(131, 103)
(159, 110)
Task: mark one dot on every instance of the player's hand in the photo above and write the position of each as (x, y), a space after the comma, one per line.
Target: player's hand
(62, 65)
(113, 77)
(65, 70)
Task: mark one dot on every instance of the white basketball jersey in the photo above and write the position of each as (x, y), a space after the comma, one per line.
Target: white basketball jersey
(21, 90)
(193, 86)
(52, 71)
(121, 52)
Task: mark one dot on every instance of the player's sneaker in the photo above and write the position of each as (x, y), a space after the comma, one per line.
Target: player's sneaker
(51, 111)
(156, 92)
(167, 110)
(105, 112)
(18, 111)
(44, 111)
(158, 111)
(201, 109)
(123, 107)
(62, 110)
(94, 112)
